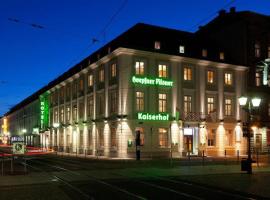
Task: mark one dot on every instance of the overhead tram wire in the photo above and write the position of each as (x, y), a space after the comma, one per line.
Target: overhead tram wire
(101, 33)
(212, 14)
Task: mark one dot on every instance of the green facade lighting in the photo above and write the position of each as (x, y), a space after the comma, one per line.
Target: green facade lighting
(152, 81)
(44, 111)
(153, 117)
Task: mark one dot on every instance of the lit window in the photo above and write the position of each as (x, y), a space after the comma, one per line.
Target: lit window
(187, 104)
(62, 115)
(212, 137)
(210, 77)
(100, 104)
(90, 80)
(181, 49)
(210, 105)
(268, 52)
(157, 44)
(162, 102)
(101, 75)
(113, 137)
(257, 50)
(100, 138)
(162, 71)
(81, 85)
(204, 52)
(113, 70)
(113, 101)
(228, 78)
(55, 116)
(90, 139)
(139, 68)
(90, 106)
(163, 137)
(258, 79)
(228, 107)
(187, 74)
(228, 138)
(139, 101)
(81, 110)
(221, 56)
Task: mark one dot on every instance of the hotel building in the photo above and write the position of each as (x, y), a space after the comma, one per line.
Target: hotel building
(180, 92)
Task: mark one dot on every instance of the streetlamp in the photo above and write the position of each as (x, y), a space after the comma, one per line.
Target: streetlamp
(248, 104)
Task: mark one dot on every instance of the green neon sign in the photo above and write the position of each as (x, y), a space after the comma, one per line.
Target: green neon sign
(44, 111)
(152, 81)
(153, 117)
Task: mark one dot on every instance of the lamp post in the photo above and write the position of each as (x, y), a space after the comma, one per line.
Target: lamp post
(248, 104)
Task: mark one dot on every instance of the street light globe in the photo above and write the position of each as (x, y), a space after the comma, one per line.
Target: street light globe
(242, 100)
(256, 102)
(24, 130)
(56, 125)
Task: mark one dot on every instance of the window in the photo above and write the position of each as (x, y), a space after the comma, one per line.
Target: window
(113, 101)
(228, 138)
(101, 75)
(268, 52)
(81, 110)
(163, 137)
(113, 137)
(257, 50)
(210, 77)
(187, 74)
(67, 92)
(221, 55)
(187, 104)
(55, 116)
(90, 80)
(181, 49)
(62, 115)
(162, 71)
(90, 106)
(210, 105)
(81, 139)
(62, 94)
(228, 78)
(90, 139)
(100, 138)
(74, 89)
(258, 79)
(142, 138)
(204, 52)
(139, 68)
(139, 101)
(212, 137)
(81, 85)
(113, 70)
(157, 44)
(74, 112)
(68, 114)
(162, 102)
(228, 107)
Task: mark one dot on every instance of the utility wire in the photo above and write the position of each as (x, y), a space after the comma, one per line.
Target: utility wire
(212, 14)
(101, 33)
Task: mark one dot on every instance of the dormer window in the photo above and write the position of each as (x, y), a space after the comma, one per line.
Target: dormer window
(181, 49)
(204, 52)
(157, 44)
(221, 55)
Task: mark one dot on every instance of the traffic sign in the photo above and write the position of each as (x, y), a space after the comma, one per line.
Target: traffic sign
(18, 148)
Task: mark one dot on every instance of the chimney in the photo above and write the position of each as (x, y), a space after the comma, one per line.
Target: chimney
(232, 10)
(222, 12)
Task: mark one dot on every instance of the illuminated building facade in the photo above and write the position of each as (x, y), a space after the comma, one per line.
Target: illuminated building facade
(180, 93)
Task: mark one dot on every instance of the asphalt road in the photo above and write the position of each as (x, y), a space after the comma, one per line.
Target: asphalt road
(113, 179)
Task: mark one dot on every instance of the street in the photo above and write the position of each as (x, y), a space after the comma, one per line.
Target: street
(78, 178)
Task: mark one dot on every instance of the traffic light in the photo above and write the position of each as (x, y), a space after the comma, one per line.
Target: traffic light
(138, 138)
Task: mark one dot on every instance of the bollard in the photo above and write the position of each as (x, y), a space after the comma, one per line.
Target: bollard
(11, 165)
(2, 164)
(225, 153)
(257, 158)
(25, 168)
(85, 153)
(188, 155)
(203, 156)
(76, 152)
(238, 155)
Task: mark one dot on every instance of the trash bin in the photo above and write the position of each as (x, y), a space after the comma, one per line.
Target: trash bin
(244, 164)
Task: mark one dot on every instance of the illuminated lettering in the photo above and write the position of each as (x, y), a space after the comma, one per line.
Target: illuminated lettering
(152, 81)
(153, 117)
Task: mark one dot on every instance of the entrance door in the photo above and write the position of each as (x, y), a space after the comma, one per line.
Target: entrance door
(188, 143)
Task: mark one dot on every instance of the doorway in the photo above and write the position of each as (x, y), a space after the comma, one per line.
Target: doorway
(188, 143)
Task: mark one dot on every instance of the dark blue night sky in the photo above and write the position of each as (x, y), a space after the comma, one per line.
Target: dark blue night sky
(31, 57)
